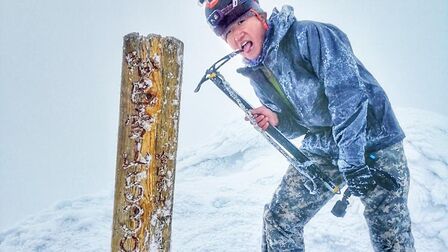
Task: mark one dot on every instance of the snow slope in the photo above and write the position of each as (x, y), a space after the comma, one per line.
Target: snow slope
(221, 189)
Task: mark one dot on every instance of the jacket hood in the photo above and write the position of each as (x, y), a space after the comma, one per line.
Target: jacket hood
(279, 23)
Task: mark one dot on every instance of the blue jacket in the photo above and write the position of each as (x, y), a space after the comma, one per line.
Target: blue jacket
(325, 91)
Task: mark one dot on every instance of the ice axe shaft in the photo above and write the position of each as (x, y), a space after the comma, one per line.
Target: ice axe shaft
(272, 134)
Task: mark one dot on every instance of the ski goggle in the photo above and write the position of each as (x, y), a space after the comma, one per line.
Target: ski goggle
(225, 30)
(234, 9)
(219, 19)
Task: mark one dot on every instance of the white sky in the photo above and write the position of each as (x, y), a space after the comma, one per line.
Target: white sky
(60, 71)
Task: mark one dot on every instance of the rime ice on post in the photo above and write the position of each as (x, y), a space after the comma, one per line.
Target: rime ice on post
(147, 143)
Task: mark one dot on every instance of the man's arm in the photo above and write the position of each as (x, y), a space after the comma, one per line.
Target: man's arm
(287, 123)
(328, 51)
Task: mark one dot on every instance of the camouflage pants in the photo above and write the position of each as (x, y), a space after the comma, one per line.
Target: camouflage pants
(386, 212)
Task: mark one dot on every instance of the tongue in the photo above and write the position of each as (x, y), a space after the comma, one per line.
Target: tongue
(247, 46)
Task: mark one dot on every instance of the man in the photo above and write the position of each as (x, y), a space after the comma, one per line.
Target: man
(310, 82)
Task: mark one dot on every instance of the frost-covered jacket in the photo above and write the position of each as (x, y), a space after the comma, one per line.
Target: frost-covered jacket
(326, 92)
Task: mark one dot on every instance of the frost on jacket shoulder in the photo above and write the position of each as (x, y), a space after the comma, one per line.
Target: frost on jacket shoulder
(331, 97)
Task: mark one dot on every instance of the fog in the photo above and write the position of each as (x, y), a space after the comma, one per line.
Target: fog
(60, 71)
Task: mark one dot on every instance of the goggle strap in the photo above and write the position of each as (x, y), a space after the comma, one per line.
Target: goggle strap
(261, 19)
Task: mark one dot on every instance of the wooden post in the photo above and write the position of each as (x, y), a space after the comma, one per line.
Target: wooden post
(147, 143)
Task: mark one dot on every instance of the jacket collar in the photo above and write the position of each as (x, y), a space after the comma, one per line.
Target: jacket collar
(279, 23)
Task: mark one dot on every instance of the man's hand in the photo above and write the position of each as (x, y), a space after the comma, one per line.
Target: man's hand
(264, 117)
(360, 180)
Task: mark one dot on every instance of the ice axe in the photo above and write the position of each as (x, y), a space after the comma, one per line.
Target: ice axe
(297, 159)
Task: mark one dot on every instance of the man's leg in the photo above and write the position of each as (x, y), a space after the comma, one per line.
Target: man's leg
(387, 212)
(292, 206)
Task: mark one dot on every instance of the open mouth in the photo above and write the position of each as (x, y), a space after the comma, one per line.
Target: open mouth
(247, 46)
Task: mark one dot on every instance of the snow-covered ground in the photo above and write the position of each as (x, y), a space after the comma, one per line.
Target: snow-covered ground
(221, 189)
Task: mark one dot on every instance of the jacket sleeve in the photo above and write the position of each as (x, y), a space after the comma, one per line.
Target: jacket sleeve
(287, 124)
(329, 53)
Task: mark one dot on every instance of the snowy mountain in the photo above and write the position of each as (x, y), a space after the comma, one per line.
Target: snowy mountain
(221, 189)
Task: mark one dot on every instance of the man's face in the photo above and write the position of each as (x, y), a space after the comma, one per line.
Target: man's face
(247, 33)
